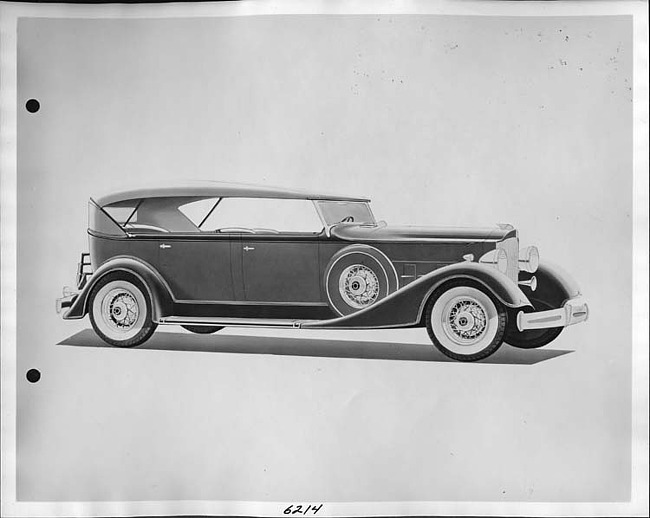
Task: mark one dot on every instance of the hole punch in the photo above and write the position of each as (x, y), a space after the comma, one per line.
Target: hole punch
(32, 106)
(33, 375)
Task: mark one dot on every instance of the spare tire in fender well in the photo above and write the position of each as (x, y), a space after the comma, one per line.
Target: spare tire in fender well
(366, 256)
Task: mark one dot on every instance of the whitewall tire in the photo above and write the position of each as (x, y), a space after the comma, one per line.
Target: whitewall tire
(465, 321)
(120, 311)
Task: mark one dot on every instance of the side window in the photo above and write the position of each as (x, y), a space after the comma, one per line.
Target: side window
(122, 211)
(197, 211)
(147, 215)
(264, 215)
(98, 221)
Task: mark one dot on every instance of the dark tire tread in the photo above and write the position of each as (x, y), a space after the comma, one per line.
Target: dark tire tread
(533, 339)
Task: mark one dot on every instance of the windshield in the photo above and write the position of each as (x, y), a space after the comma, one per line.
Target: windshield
(334, 212)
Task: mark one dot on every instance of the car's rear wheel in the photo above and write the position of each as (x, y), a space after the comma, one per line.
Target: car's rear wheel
(120, 311)
(465, 321)
(203, 330)
(531, 338)
(357, 278)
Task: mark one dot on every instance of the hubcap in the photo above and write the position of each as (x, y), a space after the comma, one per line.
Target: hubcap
(359, 286)
(120, 309)
(466, 321)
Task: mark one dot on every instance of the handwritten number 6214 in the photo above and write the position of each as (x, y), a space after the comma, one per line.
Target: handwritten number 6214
(301, 509)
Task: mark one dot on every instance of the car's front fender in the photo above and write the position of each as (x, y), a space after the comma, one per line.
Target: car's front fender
(554, 285)
(405, 307)
(158, 291)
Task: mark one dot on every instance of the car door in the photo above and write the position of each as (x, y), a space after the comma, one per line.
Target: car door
(165, 232)
(280, 268)
(274, 250)
(197, 268)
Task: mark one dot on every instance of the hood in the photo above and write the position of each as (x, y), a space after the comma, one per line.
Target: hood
(361, 232)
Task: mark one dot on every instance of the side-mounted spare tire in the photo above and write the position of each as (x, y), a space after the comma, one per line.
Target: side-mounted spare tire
(357, 277)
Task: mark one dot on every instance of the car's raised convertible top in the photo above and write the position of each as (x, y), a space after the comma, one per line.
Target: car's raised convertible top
(220, 190)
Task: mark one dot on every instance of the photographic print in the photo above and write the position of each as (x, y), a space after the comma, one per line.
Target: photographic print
(324, 260)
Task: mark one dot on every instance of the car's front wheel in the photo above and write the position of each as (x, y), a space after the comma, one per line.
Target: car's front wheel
(464, 321)
(120, 311)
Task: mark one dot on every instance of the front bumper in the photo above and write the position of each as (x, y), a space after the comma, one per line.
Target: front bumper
(573, 311)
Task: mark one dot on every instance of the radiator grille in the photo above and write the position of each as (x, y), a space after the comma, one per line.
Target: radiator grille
(511, 248)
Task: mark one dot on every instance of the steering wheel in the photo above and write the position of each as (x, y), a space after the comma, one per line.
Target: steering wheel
(347, 219)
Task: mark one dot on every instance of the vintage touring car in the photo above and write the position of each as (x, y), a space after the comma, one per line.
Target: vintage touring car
(206, 257)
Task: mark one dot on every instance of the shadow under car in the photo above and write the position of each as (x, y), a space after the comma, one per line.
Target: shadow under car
(319, 348)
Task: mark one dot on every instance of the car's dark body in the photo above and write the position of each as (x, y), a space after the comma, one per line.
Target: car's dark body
(280, 279)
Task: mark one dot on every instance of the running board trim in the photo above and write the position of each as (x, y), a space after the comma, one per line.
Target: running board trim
(232, 322)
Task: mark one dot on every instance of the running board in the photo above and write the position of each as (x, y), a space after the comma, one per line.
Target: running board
(232, 322)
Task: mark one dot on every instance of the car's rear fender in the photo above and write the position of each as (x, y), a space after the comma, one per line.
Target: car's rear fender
(405, 307)
(156, 287)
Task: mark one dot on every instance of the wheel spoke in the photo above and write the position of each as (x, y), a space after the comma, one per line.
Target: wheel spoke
(467, 320)
(122, 310)
(359, 286)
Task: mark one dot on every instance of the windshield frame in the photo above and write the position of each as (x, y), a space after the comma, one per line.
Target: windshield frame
(328, 225)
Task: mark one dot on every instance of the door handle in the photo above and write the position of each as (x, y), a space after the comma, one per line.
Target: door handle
(247, 248)
(163, 246)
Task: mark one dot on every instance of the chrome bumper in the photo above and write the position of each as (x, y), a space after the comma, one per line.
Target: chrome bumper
(67, 300)
(574, 311)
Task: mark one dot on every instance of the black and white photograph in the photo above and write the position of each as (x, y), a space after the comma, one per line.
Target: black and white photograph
(324, 259)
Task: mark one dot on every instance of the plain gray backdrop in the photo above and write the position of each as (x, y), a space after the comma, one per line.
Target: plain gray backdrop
(444, 120)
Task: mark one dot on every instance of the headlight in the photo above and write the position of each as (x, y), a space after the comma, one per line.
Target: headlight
(529, 259)
(497, 258)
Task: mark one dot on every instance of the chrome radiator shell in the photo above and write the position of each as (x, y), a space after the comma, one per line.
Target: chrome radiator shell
(511, 247)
